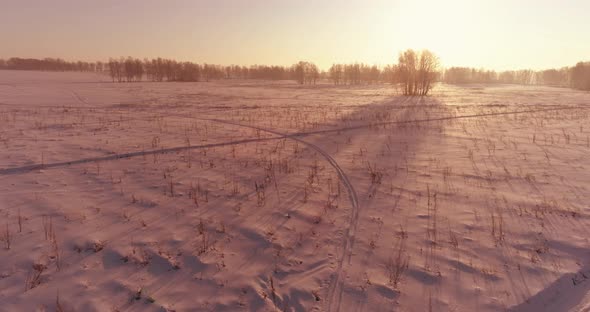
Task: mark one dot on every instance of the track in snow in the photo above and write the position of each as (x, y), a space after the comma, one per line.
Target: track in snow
(336, 286)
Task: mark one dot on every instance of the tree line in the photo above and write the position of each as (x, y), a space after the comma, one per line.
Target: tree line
(159, 69)
(577, 77)
(412, 71)
(355, 74)
(130, 69)
(416, 71)
(49, 64)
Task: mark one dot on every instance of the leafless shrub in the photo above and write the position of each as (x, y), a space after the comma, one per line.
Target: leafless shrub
(55, 250)
(260, 194)
(34, 276)
(20, 222)
(497, 226)
(201, 227)
(236, 188)
(205, 243)
(376, 174)
(454, 241)
(6, 237)
(47, 226)
(432, 216)
(398, 263)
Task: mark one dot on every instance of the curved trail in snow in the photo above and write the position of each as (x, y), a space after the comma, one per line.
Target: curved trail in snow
(336, 286)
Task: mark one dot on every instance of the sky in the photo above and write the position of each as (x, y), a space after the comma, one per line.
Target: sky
(493, 34)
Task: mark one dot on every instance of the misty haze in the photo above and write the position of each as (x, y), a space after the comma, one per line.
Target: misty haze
(329, 155)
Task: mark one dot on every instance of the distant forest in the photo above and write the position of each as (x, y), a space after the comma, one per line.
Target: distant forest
(132, 69)
(577, 77)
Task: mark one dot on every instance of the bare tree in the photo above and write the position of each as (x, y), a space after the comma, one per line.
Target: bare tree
(427, 71)
(138, 69)
(299, 72)
(112, 69)
(312, 73)
(116, 70)
(128, 68)
(417, 71)
(407, 71)
(580, 76)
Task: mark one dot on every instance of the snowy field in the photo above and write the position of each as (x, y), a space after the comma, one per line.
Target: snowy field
(269, 196)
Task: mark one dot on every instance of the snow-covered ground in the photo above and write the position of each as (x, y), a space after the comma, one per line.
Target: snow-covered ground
(266, 196)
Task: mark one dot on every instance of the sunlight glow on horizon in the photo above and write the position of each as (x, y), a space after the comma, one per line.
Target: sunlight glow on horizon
(489, 34)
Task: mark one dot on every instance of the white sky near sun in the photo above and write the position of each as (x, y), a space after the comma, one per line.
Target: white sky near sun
(496, 34)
